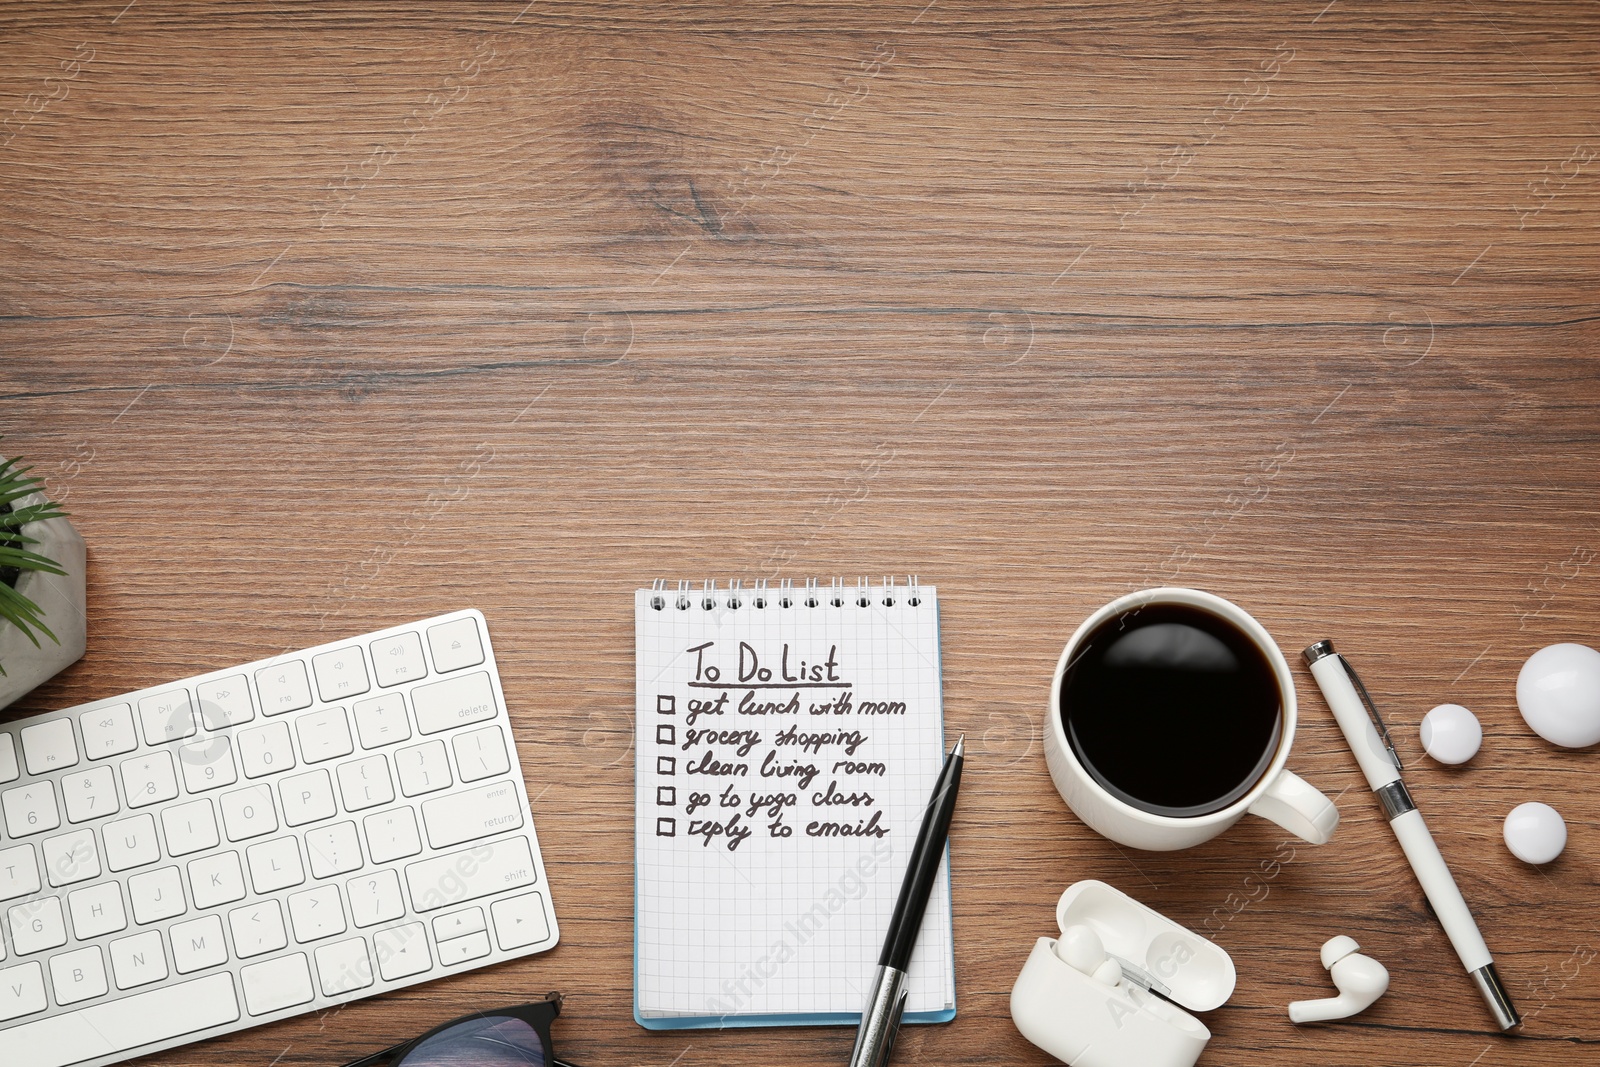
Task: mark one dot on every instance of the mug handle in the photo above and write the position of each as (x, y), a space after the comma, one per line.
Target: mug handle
(1292, 803)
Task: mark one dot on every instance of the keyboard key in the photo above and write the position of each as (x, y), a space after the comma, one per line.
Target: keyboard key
(343, 966)
(97, 910)
(316, 913)
(462, 949)
(341, 674)
(266, 750)
(90, 794)
(283, 687)
(398, 659)
(455, 645)
(138, 960)
(8, 759)
(156, 895)
(469, 874)
(49, 746)
(198, 944)
(306, 798)
(167, 716)
(71, 858)
(364, 783)
(248, 812)
(402, 951)
(457, 923)
(257, 928)
(276, 984)
(37, 925)
(392, 835)
(225, 702)
(481, 753)
(19, 873)
(275, 864)
(189, 827)
(30, 809)
(216, 880)
(382, 720)
(519, 921)
(108, 731)
(131, 842)
(79, 975)
(21, 993)
(472, 813)
(455, 701)
(422, 768)
(333, 850)
(207, 764)
(124, 1024)
(148, 779)
(324, 735)
(375, 898)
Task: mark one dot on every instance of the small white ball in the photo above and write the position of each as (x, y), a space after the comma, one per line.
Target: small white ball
(1535, 833)
(1558, 693)
(1451, 734)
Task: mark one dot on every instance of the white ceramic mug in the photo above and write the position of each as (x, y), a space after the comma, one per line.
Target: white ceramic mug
(1279, 794)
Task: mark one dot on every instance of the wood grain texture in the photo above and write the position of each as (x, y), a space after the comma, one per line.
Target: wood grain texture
(327, 317)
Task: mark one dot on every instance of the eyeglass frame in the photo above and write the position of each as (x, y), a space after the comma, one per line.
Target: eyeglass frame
(538, 1014)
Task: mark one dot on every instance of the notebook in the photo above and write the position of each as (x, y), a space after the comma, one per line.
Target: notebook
(788, 739)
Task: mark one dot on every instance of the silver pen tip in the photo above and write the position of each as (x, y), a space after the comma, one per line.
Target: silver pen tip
(961, 745)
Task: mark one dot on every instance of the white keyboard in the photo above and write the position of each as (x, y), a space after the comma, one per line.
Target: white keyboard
(257, 842)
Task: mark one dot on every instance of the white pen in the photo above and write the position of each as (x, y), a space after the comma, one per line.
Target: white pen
(1362, 726)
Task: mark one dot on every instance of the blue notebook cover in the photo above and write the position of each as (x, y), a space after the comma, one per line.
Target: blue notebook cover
(786, 741)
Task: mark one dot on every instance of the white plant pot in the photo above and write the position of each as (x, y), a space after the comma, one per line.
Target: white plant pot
(62, 606)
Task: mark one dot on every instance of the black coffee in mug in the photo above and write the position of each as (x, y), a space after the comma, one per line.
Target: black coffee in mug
(1172, 709)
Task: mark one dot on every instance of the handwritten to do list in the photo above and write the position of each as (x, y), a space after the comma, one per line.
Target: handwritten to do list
(787, 741)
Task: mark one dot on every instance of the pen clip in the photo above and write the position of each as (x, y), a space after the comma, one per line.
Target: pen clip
(1372, 712)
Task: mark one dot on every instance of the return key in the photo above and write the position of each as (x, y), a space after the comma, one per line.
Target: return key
(472, 813)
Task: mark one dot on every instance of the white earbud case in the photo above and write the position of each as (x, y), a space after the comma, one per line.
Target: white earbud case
(1086, 1022)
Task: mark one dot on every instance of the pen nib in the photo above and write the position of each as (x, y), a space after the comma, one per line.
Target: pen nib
(961, 744)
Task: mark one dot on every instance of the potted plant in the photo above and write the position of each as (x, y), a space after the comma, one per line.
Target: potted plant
(42, 563)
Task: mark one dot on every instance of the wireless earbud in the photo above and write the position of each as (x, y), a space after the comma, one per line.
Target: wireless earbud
(1361, 980)
(1080, 948)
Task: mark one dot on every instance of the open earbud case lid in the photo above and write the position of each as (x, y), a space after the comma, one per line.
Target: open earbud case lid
(1181, 965)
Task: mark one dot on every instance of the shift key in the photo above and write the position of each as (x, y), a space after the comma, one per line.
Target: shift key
(469, 874)
(472, 813)
(453, 702)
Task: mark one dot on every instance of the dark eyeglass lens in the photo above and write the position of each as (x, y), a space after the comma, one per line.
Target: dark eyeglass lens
(497, 1041)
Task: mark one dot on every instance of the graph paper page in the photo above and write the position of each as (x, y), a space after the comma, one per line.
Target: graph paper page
(784, 758)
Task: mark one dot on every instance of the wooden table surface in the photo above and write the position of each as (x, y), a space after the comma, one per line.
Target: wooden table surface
(323, 318)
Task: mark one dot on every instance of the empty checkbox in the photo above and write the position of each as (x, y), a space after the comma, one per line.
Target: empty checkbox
(666, 765)
(666, 795)
(666, 827)
(666, 734)
(667, 704)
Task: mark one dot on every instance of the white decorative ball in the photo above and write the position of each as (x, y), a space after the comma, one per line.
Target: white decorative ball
(1451, 734)
(1558, 693)
(1535, 833)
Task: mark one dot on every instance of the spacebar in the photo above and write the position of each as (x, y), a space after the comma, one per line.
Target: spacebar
(122, 1025)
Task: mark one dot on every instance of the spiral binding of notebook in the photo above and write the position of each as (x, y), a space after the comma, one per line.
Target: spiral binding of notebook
(787, 737)
(761, 593)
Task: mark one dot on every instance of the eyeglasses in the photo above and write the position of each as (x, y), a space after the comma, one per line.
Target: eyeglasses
(510, 1037)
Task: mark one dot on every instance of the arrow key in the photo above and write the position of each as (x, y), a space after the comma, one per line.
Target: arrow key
(520, 921)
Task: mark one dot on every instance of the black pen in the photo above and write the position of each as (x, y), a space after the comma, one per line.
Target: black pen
(881, 1021)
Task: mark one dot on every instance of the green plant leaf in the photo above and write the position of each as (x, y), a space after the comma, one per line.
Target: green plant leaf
(22, 559)
(24, 614)
(16, 483)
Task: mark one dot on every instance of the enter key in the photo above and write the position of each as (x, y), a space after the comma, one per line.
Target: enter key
(472, 813)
